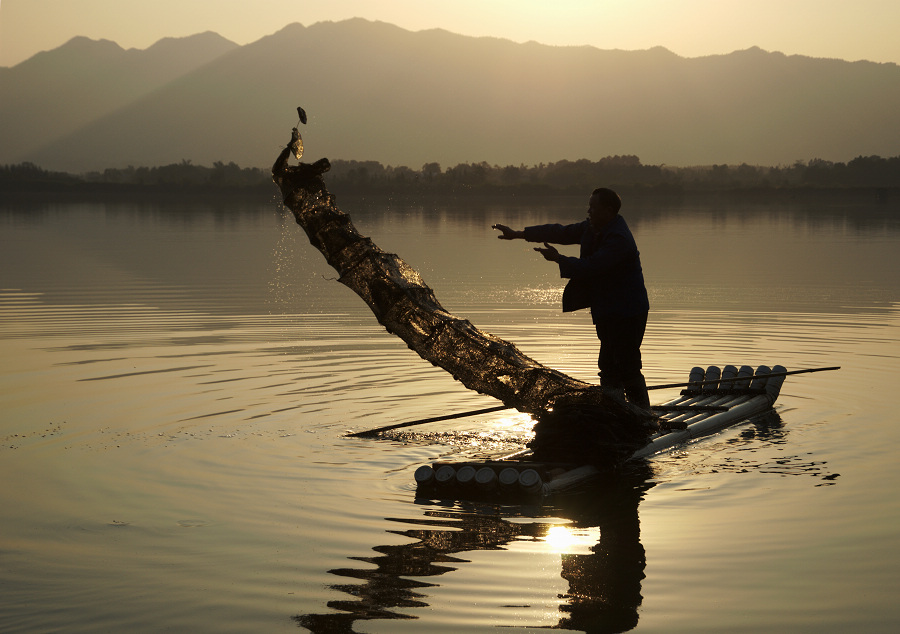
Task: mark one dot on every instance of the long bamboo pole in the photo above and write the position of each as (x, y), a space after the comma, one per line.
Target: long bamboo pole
(378, 430)
(499, 408)
(755, 376)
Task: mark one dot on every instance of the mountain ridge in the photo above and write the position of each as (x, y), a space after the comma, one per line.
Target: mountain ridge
(375, 91)
(84, 80)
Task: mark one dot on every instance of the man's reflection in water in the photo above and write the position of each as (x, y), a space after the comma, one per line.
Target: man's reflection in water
(604, 591)
(605, 586)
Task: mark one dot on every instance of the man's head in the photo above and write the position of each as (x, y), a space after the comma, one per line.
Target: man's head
(603, 207)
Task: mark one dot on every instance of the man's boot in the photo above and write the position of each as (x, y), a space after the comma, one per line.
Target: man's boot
(636, 393)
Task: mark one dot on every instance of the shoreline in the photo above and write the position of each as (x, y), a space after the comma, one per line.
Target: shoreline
(264, 193)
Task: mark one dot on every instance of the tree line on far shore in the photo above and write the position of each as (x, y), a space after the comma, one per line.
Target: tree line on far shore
(371, 177)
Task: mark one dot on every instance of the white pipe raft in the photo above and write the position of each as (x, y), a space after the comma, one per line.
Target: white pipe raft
(744, 392)
(740, 407)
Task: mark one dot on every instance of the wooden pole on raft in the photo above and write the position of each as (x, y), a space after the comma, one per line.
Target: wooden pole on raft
(435, 419)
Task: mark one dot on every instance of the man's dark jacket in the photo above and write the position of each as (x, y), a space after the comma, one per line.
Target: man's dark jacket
(607, 275)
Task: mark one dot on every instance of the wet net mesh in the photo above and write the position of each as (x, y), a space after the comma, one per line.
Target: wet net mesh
(576, 421)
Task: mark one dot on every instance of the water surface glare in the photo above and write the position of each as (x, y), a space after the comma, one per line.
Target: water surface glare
(176, 382)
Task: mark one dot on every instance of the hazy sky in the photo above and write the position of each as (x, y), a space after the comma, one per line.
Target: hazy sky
(850, 30)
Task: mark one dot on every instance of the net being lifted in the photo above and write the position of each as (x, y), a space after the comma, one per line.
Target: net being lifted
(576, 421)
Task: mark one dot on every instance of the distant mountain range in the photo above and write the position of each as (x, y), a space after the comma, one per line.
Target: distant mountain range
(374, 91)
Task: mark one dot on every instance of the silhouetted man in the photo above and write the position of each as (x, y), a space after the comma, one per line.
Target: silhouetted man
(607, 278)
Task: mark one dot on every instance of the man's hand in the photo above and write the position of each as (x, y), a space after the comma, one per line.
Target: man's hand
(507, 233)
(548, 252)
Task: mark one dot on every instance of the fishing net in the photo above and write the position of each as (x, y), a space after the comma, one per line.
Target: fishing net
(575, 420)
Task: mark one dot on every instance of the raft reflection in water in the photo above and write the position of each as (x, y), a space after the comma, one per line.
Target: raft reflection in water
(604, 586)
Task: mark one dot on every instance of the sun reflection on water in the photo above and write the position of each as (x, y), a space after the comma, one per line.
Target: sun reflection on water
(564, 539)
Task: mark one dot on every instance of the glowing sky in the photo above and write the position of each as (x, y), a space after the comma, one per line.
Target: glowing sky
(860, 29)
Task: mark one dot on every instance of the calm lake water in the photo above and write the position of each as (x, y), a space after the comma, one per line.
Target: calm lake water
(176, 380)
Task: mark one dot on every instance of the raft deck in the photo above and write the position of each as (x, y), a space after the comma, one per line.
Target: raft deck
(715, 399)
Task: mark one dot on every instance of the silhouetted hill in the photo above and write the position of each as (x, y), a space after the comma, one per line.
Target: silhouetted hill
(377, 92)
(57, 92)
